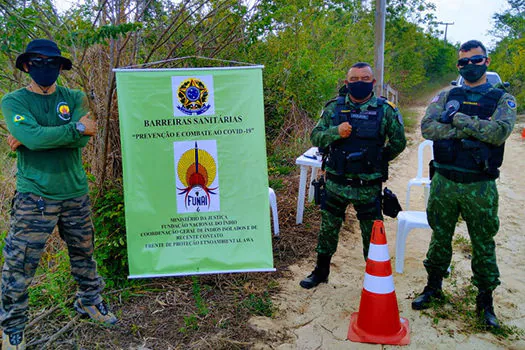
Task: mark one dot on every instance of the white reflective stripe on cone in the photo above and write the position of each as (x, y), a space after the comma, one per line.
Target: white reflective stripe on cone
(378, 252)
(379, 285)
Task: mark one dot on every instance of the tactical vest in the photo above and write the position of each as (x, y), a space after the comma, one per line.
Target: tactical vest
(362, 152)
(471, 153)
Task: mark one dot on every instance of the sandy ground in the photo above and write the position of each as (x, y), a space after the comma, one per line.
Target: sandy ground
(319, 318)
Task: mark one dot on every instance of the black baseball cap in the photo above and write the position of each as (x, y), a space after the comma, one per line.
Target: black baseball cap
(42, 47)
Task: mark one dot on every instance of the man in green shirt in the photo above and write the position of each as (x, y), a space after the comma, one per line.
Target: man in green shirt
(49, 126)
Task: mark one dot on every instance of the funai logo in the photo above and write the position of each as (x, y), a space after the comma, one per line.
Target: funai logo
(197, 176)
(193, 95)
(63, 111)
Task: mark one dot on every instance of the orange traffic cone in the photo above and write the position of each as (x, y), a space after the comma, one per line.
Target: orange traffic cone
(378, 318)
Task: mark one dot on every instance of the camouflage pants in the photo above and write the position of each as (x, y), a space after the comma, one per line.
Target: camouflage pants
(30, 227)
(366, 202)
(478, 205)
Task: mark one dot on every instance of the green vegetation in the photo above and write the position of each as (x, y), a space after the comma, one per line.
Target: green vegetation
(306, 48)
(110, 237)
(509, 54)
(51, 279)
(191, 323)
(507, 60)
(277, 165)
(459, 306)
(276, 184)
(307, 59)
(259, 305)
(202, 309)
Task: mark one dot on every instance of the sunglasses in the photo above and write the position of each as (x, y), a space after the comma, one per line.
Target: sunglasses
(462, 62)
(51, 62)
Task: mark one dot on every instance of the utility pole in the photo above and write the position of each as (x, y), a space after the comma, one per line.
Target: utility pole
(380, 45)
(446, 24)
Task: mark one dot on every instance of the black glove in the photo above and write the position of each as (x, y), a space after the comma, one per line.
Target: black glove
(451, 109)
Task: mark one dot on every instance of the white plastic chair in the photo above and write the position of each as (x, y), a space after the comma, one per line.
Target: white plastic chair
(273, 206)
(407, 220)
(419, 180)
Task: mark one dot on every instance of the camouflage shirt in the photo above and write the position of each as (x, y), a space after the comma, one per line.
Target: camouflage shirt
(326, 132)
(493, 131)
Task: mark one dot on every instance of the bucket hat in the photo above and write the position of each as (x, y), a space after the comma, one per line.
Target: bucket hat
(42, 47)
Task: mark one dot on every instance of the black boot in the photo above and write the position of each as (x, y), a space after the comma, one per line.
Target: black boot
(431, 292)
(485, 308)
(319, 274)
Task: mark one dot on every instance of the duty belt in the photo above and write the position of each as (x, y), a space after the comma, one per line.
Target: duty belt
(356, 182)
(464, 177)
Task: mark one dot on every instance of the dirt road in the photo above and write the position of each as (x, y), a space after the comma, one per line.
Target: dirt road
(319, 318)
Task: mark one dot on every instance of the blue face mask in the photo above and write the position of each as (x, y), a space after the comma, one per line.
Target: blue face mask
(44, 76)
(360, 89)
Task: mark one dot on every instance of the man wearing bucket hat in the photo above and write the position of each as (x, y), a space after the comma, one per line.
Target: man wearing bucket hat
(49, 126)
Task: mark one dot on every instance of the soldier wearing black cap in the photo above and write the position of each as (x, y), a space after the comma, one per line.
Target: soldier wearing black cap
(49, 126)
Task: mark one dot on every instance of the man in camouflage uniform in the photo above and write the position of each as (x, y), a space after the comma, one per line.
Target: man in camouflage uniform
(469, 125)
(49, 126)
(361, 134)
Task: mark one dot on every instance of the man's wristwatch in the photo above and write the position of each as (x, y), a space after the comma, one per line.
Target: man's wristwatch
(81, 128)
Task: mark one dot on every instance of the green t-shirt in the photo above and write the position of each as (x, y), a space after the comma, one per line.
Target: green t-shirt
(50, 160)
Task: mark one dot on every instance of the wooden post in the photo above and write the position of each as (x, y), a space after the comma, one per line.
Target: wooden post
(379, 61)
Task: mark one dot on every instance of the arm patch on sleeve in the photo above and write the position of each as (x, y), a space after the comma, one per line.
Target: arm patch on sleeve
(18, 118)
(400, 119)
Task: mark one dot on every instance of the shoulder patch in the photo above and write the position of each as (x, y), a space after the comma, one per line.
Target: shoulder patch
(511, 104)
(391, 104)
(18, 118)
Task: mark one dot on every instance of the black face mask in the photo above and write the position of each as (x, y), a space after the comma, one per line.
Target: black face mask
(360, 89)
(44, 76)
(473, 72)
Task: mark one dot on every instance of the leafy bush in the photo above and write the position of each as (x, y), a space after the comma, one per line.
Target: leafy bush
(110, 236)
(507, 60)
(52, 278)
